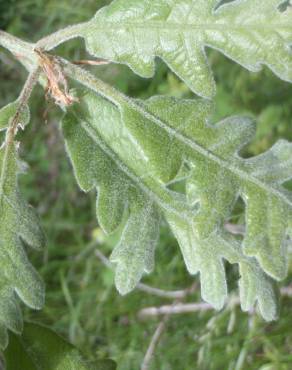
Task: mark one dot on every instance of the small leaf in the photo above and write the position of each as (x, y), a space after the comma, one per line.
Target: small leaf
(19, 226)
(8, 112)
(247, 31)
(39, 348)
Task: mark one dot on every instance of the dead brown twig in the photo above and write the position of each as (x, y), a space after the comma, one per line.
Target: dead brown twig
(57, 85)
(183, 308)
(153, 343)
(96, 62)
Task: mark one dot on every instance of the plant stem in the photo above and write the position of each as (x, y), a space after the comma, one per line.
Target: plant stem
(22, 102)
(184, 308)
(50, 42)
(153, 343)
(180, 308)
(12, 128)
(91, 82)
(23, 51)
(14, 44)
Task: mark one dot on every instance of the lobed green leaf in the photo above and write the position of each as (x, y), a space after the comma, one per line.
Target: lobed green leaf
(218, 175)
(247, 31)
(142, 147)
(19, 226)
(95, 166)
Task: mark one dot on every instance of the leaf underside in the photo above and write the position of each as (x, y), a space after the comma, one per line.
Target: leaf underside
(179, 31)
(130, 154)
(19, 226)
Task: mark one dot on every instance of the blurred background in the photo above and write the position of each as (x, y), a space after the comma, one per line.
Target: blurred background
(82, 303)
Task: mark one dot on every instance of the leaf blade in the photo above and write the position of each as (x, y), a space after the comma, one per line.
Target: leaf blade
(19, 224)
(178, 32)
(106, 126)
(39, 348)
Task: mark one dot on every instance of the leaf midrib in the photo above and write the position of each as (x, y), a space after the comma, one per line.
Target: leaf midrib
(206, 153)
(224, 27)
(95, 136)
(119, 99)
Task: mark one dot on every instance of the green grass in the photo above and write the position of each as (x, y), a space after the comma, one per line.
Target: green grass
(81, 301)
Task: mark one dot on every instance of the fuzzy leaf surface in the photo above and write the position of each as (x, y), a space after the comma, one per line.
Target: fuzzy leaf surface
(100, 127)
(247, 31)
(19, 226)
(9, 110)
(96, 166)
(171, 132)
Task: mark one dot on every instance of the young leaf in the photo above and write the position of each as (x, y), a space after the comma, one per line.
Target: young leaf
(95, 134)
(7, 112)
(19, 225)
(247, 31)
(39, 348)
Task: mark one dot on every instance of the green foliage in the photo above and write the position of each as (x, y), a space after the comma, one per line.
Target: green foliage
(247, 31)
(170, 132)
(81, 301)
(96, 131)
(39, 348)
(6, 12)
(119, 151)
(97, 166)
(19, 225)
(7, 112)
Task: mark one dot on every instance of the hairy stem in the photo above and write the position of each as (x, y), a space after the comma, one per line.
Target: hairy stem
(87, 79)
(22, 102)
(14, 44)
(23, 51)
(119, 99)
(50, 42)
(12, 128)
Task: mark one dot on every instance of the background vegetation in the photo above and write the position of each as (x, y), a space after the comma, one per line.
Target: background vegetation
(82, 303)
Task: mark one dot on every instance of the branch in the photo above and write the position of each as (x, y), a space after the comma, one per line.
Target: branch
(179, 308)
(235, 229)
(176, 294)
(158, 332)
(22, 102)
(55, 39)
(14, 44)
(286, 291)
(153, 343)
(22, 51)
(182, 308)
